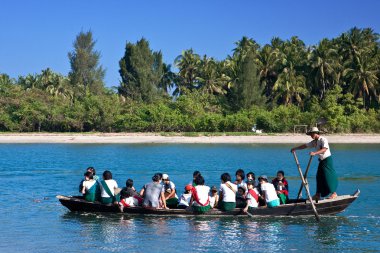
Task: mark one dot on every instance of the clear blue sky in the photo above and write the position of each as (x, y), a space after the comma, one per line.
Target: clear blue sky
(38, 34)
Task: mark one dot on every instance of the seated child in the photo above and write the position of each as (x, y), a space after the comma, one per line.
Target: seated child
(128, 200)
(214, 197)
(252, 197)
(240, 197)
(251, 177)
(90, 188)
(240, 179)
(108, 189)
(129, 187)
(200, 199)
(92, 170)
(268, 192)
(184, 200)
(282, 187)
(169, 192)
(195, 175)
(227, 193)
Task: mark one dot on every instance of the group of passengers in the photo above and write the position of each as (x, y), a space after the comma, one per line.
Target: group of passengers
(162, 192)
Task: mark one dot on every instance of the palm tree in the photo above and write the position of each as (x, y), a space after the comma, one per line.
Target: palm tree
(276, 42)
(268, 61)
(211, 79)
(357, 42)
(359, 48)
(188, 64)
(29, 82)
(325, 66)
(295, 53)
(288, 64)
(60, 87)
(245, 45)
(362, 79)
(5, 80)
(289, 87)
(167, 79)
(46, 77)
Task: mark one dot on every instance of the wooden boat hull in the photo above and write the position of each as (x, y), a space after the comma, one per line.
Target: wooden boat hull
(294, 208)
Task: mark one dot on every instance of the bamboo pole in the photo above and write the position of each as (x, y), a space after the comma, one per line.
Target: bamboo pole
(305, 177)
(306, 187)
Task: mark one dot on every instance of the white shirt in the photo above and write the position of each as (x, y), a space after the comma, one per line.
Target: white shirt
(244, 185)
(111, 185)
(171, 186)
(212, 201)
(88, 184)
(202, 191)
(228, 194)
(251, 200)
(270, 192)
(319, 144)
(184, 200)
(131, 201)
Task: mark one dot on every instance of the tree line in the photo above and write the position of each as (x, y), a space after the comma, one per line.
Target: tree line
(334, 83)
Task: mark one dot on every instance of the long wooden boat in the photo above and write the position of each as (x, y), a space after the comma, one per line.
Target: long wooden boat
(299, 207)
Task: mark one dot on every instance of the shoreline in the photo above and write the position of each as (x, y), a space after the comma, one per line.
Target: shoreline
(158, 138)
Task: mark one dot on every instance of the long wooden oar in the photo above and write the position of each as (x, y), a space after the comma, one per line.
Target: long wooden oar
(306, 187)
(305, 176)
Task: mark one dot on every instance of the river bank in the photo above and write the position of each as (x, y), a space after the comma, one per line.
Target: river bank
(178, 138)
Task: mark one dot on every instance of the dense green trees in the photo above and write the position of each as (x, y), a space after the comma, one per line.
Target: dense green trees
(276, 86)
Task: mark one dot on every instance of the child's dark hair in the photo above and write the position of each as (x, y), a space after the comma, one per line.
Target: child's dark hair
(125, 194)
(281, 172)
(129, 183)
(88, 174)
(107, 175)
(91, 169)
(242, 189)
(199, 180)
(157, 177)
(196, 173)
(240, 173)
(252, 174)
(225, 177)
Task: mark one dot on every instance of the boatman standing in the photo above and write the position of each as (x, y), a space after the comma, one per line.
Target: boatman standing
(327, 180)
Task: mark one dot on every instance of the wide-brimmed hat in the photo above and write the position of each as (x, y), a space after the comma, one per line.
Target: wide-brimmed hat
(313, 130)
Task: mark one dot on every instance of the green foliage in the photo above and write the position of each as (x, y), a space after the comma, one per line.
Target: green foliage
(246, 90)
(86, 75)
(141, 71)
(334, 84)
(237, 122)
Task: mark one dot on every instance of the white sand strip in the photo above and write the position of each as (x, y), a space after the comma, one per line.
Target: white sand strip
(157, 138)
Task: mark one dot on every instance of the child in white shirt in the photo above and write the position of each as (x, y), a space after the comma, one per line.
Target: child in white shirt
(269, 192)
(184, 200)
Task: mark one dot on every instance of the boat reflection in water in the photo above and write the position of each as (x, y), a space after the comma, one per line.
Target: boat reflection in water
(120, 232)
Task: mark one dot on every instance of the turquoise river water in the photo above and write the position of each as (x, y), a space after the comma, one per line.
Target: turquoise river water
(32, 219)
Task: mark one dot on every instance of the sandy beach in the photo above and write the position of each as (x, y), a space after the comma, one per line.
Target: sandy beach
(158, 138)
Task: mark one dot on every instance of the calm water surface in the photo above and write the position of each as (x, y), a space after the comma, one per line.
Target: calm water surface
(33, 220)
